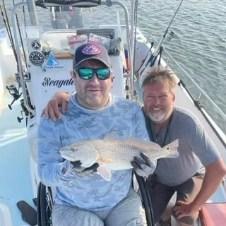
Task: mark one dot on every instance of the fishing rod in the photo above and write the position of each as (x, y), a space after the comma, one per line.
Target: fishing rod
(167, 29)
(135, 32)
(13, 91)
(4, 21)
(21, 39)
(151, 59)
(26, 107)
(8, 29)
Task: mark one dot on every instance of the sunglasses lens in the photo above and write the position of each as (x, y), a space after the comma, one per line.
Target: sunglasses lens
(88, 73)
(85, 73)
(103, 73)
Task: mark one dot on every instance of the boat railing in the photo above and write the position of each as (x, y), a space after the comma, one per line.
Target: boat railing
(211, 111)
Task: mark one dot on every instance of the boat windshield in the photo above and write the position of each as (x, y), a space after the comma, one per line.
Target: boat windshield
(58, 26)
(68, 17)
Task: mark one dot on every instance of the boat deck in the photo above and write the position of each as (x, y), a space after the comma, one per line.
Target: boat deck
(15, 169)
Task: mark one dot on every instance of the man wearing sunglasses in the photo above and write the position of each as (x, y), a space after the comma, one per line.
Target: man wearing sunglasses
(84, 198)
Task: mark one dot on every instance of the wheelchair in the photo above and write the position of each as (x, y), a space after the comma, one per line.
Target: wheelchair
(45, 203)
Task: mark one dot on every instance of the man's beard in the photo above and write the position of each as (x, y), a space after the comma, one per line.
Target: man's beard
(160, 116)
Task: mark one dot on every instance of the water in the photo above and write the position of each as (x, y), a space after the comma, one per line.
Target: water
(198, 43)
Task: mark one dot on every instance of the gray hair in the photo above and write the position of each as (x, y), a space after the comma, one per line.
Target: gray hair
(161, 75)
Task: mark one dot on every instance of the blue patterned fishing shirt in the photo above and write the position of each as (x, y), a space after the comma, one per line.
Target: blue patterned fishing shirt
(121, 118)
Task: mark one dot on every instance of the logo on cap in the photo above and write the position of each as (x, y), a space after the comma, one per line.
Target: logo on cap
(91, 49)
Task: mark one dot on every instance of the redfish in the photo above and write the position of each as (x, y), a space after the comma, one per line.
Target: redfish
(112, 154)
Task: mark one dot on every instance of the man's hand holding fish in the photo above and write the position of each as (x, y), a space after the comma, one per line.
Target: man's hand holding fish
(143, 166)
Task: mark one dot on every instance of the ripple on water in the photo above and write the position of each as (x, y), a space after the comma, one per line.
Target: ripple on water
(200, 40)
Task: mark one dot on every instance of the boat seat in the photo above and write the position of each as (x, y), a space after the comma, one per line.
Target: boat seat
(213, 214)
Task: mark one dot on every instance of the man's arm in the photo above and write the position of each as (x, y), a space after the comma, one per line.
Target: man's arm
(213, 177)
(215, 167)
(52, 168)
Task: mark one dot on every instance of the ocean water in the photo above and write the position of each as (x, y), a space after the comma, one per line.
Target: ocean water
(196, 47)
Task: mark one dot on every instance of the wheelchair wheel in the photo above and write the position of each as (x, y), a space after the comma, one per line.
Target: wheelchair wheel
(44, 205)
(146, 200)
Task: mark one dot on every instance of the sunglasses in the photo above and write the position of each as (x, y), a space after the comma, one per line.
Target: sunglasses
(88, 73)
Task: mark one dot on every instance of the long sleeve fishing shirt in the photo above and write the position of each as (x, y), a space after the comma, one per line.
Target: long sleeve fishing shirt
(121, 118)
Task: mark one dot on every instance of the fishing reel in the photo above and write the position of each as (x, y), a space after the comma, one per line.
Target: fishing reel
(14, 92)
(23, 112)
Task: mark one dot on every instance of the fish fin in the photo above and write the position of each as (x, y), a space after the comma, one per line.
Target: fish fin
(104, 172)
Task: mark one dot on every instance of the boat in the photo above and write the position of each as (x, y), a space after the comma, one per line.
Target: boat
(42, 36)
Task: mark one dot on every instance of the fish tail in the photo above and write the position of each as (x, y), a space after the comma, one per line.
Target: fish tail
(172, 148)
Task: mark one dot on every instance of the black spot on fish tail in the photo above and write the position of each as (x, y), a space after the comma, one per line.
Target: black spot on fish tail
(92, 167)
(76, 164)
